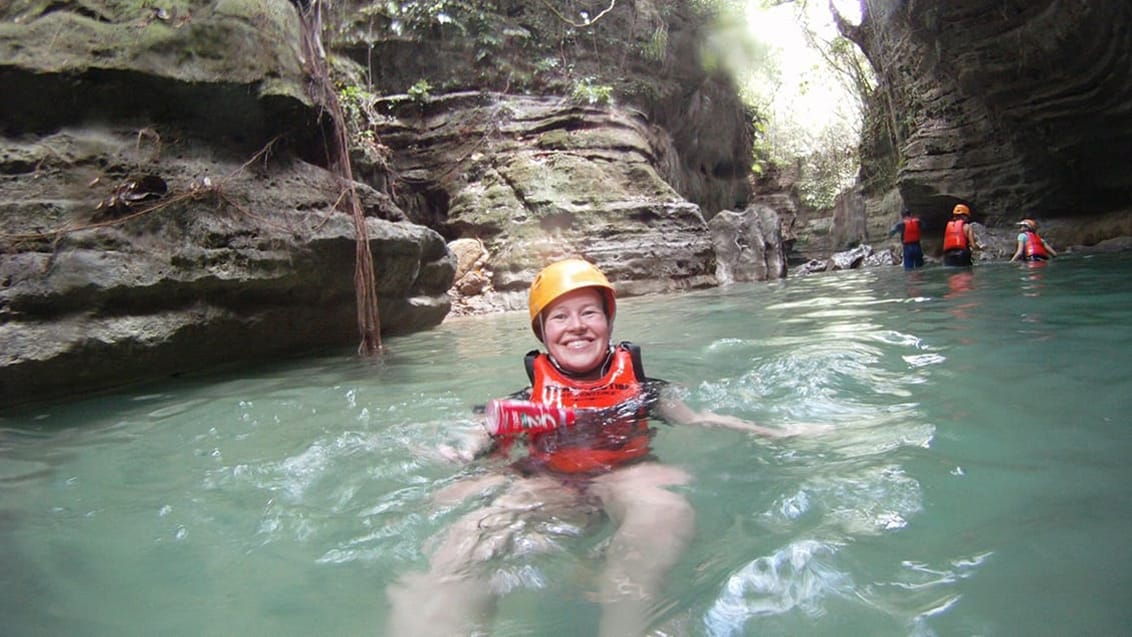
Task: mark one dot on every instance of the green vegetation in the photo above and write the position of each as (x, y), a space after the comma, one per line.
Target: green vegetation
(812, 111)
(356, 102)
(656, 47)
(587, 92)
(564, 47)
(420, 91)
(538, 46)
(357, 108)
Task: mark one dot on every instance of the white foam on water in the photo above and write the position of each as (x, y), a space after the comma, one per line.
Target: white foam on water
(800, 576)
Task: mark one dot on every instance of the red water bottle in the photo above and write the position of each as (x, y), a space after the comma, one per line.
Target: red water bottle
(508, 417)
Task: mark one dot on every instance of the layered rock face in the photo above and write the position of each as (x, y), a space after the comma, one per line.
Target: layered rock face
(1020, 108)
(165, 202)
(162, 206)
(538, 179)
(609, 140)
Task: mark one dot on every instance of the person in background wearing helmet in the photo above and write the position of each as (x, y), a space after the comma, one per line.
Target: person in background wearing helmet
(1032, 247)
(959, 238)
(909, 230)
(604, 468)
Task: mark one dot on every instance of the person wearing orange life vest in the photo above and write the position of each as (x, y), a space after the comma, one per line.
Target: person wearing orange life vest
(1032, 247)
(909, 230)
(959, 238)
(572, 310)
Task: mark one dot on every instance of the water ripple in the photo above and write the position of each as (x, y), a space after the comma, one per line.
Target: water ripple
(921, 590)
(800, 576)
(870, 501)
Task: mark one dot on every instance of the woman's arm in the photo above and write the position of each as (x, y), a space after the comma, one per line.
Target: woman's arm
(1018, 251)
(674, 410)
(670, 407)
(971, 240)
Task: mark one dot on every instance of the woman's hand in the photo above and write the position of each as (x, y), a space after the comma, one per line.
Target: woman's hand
(470, 445)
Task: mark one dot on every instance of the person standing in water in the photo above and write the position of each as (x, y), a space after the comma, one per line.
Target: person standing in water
(571, 472)
(959, 238)
(909, 230)
(1032, 247)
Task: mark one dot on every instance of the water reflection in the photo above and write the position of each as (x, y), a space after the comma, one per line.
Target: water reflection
(1032, 278)
(914, 285)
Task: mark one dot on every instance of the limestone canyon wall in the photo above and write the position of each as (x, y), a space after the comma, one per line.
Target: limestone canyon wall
(165, 205)
(1020, 108)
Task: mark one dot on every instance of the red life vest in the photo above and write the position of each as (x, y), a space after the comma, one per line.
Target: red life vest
(1034, 246)
(596, 447)
(954, 235)
(911, 230)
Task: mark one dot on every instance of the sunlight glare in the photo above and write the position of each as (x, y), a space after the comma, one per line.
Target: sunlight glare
(849, 9)
(801, 91)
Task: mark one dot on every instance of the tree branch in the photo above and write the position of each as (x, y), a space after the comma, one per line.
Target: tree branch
(581, 25)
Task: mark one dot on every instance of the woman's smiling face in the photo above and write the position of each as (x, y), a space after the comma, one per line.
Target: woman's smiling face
(576, 330)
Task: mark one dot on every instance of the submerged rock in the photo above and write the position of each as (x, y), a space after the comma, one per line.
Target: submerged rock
(748, 245)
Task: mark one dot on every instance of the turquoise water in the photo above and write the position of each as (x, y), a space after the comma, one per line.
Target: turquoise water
(976, 481)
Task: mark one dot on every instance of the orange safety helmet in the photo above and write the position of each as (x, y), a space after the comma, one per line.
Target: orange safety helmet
(961, 209)
(564, 276)
(1029, 223)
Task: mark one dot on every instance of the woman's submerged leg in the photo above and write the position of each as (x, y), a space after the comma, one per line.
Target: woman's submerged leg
(455, 596)
(654, 527)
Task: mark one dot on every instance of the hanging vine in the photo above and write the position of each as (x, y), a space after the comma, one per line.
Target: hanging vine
(338, 151)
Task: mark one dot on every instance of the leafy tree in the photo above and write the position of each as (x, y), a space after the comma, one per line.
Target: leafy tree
(822, 144)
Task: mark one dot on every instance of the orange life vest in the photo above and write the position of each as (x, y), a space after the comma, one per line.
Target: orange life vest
(954, 235)
(911, 230)
(598, 446)
(1035, 248)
